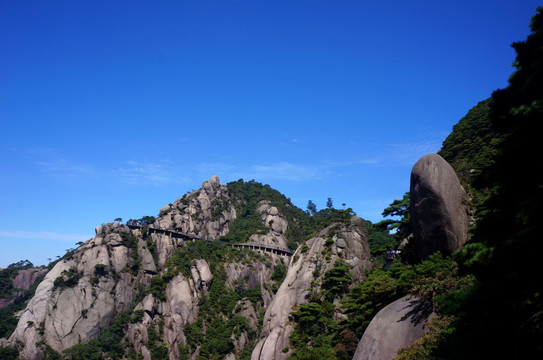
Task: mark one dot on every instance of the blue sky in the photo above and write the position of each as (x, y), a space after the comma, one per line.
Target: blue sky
(114, 109)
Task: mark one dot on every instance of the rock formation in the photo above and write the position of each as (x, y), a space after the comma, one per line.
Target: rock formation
(139, 274)
(396, 326)
(26, 277)
(205, 213)
(307, 268)
(439, 211)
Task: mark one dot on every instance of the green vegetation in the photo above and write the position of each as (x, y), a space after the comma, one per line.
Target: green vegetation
(314, 335)
(130, 241)
(249, 220)
(218, 312)
(9, 353)
(17, 297)
(496, 311)
(68, 278)
(436, 281)
(109, 344)
(8, 274)
(506, 306)
(472, 146)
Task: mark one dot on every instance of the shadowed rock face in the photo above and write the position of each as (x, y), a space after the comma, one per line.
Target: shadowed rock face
(439, 211)
(350, 245)
(25, 278)
(396, 326)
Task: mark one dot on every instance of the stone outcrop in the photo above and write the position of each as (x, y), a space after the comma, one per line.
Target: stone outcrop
(396, 326)
(439, 210)
(27, 277)
(205, 213)
(163, 278)
(74, 301)
(22, 281)
(307, 267)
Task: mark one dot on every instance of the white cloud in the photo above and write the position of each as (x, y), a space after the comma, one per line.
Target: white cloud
(410, 153)
(147, 173)
(43, 235)
(287, 171)
(61, 167)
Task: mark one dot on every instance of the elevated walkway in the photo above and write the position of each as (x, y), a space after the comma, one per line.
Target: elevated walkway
(171, 233)
(187, 237)
(271, 249)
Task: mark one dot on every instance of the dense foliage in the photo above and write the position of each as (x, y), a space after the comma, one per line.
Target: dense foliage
(435, 281)
(249, 220)
(472, 146)
(506, 307)
(495, 149)
(219, 321)
(17, 298)
(301, 225)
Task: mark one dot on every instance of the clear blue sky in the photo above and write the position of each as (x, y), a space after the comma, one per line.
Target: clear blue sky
(115, 108)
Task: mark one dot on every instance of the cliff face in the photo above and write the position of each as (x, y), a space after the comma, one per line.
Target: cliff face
(347, 242)
(184, 296)
(74, 301)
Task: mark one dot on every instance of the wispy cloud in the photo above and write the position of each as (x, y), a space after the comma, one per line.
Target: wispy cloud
(287, 171)
(398, 154)
(150, 173)
(409, 153)
(43, 235)
(59, 166)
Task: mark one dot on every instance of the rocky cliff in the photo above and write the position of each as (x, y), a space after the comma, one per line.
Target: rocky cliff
(347, 242)
(174, 290)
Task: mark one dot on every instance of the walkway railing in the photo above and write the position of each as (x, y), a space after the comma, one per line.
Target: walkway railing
(272, 249)
(186, 237)
(172, 233)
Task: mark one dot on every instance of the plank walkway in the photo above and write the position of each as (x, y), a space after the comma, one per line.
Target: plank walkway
(186, 237)
(272, 249)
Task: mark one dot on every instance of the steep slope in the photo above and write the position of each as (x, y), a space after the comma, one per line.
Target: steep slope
(346, 242)
(182, 287)
(18, 283)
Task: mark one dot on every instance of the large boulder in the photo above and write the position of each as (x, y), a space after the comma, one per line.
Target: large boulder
(439, 210)
(396, 326)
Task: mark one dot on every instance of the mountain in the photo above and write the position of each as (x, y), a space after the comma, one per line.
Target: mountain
(212, 277)
(238, 272)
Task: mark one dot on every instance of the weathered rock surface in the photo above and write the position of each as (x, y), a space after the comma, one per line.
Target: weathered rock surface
(396, 326)
(349, 244)
(129, 269)
(439, 210)
(73, 303)
(205, 213)
(26, 277)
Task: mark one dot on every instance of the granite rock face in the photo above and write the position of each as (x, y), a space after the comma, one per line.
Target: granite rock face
(349, 244)
(127, 270)
(205, 213)
(26, 277)
(104, 277)
(396, 326)
(439, 207)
